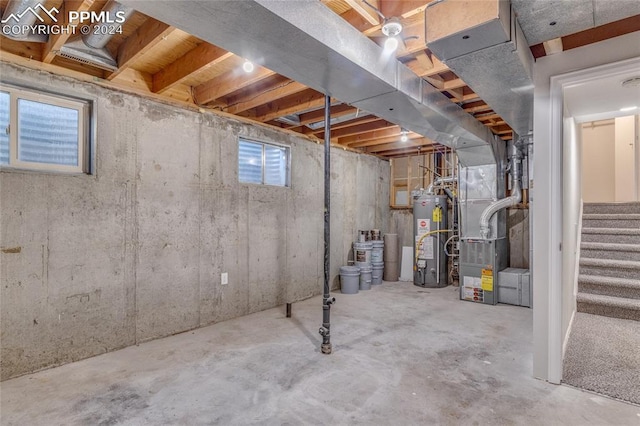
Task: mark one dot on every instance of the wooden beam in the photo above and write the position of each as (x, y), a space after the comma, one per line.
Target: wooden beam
(592, 35)
(457, 94)
(376, 134)
(252, 100)
(318, 115)
(366, 11)
(140, 42)
(501, 129)
(553, 46)
(228, 83)
(476, 106)
(200, 58)
(360, 128)
(401, 9)
(382, 141)
(400, 145)
(420, 66)
(305, 100)
(356, 20)
(404, 8)
(30, 51)
(365, 118)
(603, 32)
(403, 152)
(56, 41)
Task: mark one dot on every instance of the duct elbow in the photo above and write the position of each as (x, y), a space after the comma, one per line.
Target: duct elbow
(492, 209)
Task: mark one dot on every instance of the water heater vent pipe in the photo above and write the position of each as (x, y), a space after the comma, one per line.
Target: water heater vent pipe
(439, 181)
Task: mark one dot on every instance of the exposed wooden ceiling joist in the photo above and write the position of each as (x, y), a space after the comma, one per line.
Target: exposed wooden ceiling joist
(193, 72)
(146, 37)
(228, 83)
(198, 59)
(365, 10)
(278, 90)
(306, 100)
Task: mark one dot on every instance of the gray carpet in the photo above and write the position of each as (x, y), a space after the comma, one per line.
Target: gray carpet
(603, 355)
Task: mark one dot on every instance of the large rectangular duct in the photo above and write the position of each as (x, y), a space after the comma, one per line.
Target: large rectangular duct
(481, 41)
(307, 42)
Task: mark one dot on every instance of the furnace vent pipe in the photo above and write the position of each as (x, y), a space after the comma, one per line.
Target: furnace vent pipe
(516, 192)
(439, 181)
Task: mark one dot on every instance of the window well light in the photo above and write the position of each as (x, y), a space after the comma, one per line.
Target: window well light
(248, 66)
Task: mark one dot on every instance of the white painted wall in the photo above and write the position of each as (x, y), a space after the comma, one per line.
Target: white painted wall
(598, 159)
(547, 192)
(571, 217)
(625, 159)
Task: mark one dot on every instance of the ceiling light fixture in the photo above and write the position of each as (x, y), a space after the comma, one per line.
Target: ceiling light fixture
(392, 29)
(631, 82)
(248, 66)
(404, 136)
(629, 108)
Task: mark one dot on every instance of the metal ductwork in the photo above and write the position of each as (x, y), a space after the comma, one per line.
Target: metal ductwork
(328, 54)
(90, 48)
(515, 158)
(481, 41)
(23, 13)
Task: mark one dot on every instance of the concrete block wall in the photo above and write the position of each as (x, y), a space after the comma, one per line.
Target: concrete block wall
(135, 251)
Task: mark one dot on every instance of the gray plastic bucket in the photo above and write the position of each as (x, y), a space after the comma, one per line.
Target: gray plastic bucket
(377, 251)
(376, 273)
(362, 253)
(365, 277)
(349, 279)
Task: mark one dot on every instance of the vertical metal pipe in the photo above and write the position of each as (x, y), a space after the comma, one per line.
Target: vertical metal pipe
(327, 300)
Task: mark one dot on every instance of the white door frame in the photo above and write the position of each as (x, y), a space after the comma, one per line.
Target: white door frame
(546, 193)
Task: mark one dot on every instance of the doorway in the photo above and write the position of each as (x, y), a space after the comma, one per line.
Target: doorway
(610, 160)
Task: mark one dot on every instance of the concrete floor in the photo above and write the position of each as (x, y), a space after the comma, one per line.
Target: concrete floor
(402, 355)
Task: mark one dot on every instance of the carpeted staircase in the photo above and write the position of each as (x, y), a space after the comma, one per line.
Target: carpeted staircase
(602, 350)
(609, 279)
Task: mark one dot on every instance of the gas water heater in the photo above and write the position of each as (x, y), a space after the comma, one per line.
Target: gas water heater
(430, 232)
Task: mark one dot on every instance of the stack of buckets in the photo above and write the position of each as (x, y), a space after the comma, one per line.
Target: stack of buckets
(369, 266)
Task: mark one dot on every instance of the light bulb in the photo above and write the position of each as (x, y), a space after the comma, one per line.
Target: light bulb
(391, 44)
(404, 136)
(247, 66)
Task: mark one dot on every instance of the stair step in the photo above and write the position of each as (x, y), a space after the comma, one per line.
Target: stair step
(610, 268)
(608, 306)
(609, 286)
(590, 208)
(611, 235)
(604, 220)
(610, 251)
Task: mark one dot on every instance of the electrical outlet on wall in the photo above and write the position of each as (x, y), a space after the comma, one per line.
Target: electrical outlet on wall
(224, 278)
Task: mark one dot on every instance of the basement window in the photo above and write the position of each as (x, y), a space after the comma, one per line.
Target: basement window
(43, 132)
(263, 163)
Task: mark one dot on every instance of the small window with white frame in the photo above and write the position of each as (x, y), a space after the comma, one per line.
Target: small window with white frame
(263, 163)
(43, 131)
